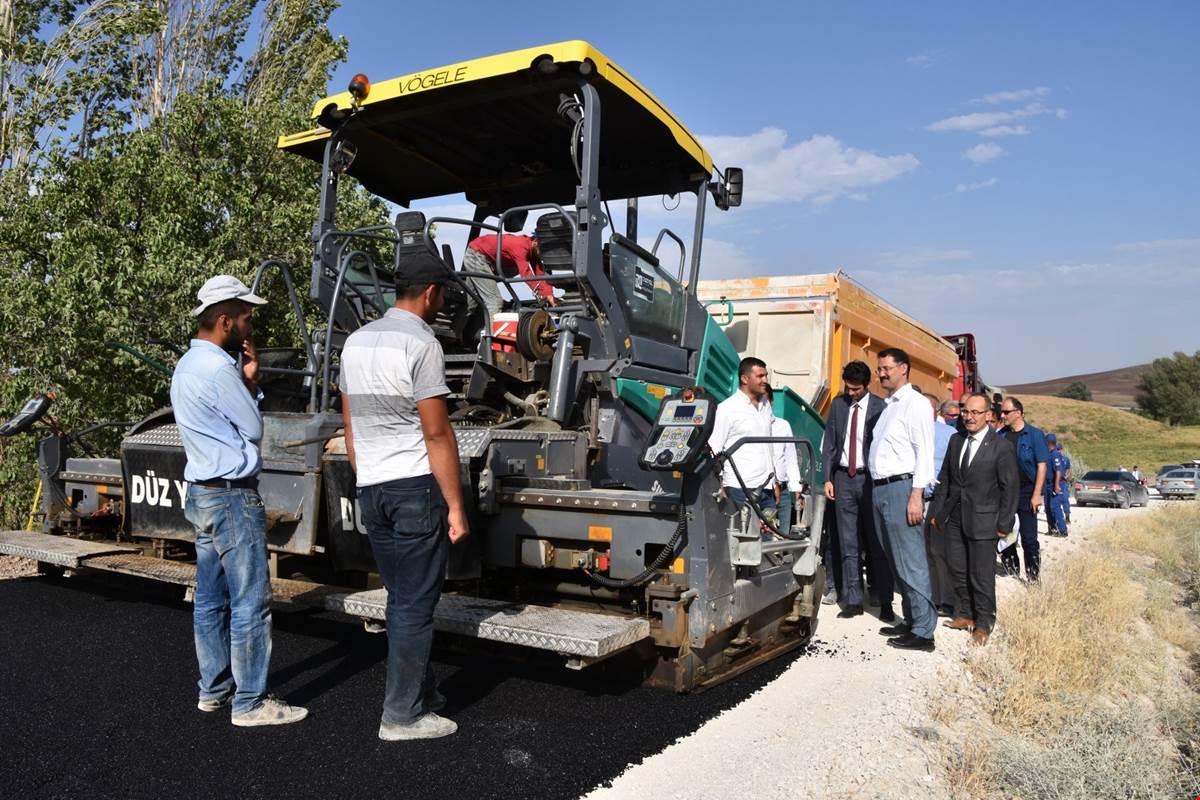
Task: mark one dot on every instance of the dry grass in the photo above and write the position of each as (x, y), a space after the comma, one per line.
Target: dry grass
(1087, 689)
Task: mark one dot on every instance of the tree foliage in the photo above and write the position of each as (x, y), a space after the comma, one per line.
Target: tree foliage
(1076, 390)
(1169, 389)
(109, 243)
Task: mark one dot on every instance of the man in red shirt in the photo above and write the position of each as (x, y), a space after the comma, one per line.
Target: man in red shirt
(519, 255)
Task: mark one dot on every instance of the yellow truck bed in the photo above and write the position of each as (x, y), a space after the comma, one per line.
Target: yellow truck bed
(807, 327)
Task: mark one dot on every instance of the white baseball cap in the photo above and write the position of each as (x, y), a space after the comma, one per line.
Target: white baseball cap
(221, 288)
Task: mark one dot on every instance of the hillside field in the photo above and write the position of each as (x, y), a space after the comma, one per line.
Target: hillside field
(1116, 387)
(1101, 437)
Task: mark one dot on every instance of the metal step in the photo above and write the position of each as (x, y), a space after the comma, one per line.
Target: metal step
(576, 633)
(580, 634)
(60, 551)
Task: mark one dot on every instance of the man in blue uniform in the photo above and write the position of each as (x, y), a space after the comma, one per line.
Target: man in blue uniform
(1056, 487)
(1066, 495)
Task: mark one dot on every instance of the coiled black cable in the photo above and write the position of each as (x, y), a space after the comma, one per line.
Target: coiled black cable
(668, 553)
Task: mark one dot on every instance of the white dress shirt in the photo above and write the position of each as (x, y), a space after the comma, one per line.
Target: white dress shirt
(861, 405)
(903, 438)
(787, 465)
(738, 418)
(975, 440)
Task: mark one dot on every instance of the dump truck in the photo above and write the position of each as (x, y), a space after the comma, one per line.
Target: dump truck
(808, 327)
(599, 527)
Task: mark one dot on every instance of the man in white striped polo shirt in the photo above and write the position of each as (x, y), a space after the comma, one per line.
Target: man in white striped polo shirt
(401, 445)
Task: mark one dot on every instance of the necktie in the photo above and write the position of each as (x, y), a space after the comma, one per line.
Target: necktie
(853, 467)
(966, 461)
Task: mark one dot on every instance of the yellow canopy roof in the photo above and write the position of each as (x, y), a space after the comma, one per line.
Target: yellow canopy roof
(489, 128)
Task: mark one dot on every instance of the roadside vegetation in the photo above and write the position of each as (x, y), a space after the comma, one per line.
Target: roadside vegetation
(1099, 437)
(1089, 689)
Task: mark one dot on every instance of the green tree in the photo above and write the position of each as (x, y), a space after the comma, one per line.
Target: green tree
(1076, 390)
(1169, 390)
(112, 246)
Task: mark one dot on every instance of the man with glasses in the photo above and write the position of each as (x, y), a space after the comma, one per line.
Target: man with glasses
(1032, 457)
(901, 466)
(974, 505)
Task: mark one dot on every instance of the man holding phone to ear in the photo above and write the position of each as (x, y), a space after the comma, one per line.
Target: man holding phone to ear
(216, 413)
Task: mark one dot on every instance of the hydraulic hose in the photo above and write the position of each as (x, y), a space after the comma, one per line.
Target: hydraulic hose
(668, 552)
(751, 501)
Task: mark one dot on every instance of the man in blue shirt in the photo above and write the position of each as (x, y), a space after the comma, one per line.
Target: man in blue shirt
(216, 412)
(1056, 487)
(1032, 457)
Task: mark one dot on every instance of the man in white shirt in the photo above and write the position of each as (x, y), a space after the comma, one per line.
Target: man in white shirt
(788, 482)
(901, 466)
(745, 413)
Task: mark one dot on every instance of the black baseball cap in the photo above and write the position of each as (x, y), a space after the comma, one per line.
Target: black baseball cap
(421, 268)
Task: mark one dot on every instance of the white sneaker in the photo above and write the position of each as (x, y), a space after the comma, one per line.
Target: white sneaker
(216, 703)
(272, 711)
(429, 726)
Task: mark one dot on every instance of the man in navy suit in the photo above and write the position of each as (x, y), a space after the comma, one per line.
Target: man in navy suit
(844, 449)
(975, 505)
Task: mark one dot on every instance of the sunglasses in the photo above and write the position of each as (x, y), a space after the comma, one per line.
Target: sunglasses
(1004, 413)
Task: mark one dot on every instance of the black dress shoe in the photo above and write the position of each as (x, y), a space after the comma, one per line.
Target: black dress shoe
(910, 641)
(886, 614)
(850, 611)
(899, 629)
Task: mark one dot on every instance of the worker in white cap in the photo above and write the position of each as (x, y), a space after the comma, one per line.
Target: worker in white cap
(216, 412)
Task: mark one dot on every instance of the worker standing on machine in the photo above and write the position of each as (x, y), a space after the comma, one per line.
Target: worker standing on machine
(403, 451)
(216, 412)
(519, 255)
(750, 473)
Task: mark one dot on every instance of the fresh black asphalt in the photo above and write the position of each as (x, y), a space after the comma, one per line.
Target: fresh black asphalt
(98, 699)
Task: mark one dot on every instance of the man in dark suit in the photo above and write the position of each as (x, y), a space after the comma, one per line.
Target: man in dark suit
(974, 506)
(844, 449)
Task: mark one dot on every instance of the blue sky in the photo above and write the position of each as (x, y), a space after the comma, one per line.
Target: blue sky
(1026, 171)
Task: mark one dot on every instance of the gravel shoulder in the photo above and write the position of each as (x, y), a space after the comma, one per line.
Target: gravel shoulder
(850, 720)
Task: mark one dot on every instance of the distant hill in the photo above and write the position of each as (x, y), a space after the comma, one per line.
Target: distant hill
(1117, 387)
(1098, 437)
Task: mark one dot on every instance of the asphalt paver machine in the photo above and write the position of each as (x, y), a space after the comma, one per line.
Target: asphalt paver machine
(598, 523)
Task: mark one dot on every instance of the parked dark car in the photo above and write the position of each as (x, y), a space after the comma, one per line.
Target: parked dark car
(1181, 483)
(1117, 489)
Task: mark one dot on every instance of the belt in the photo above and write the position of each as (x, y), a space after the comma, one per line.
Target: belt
(881, 481)
(840, 468)
(222, 483)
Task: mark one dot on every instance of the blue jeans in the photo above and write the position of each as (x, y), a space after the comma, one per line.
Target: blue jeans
(408, 527)
(905, 548)
(231, 616)
(764, 497)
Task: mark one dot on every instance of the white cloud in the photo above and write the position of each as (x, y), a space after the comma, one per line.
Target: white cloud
(1191, 246)
(922, 256)
(819, 169)
(1018, 96)
(1005, 130)
(972, 187)
(983, 153)
(923, 60)
(983, 120)
(722, 259)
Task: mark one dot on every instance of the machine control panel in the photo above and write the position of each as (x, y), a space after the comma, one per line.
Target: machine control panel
(680, 431)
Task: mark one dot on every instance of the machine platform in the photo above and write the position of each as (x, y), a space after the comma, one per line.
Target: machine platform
(574, 633)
